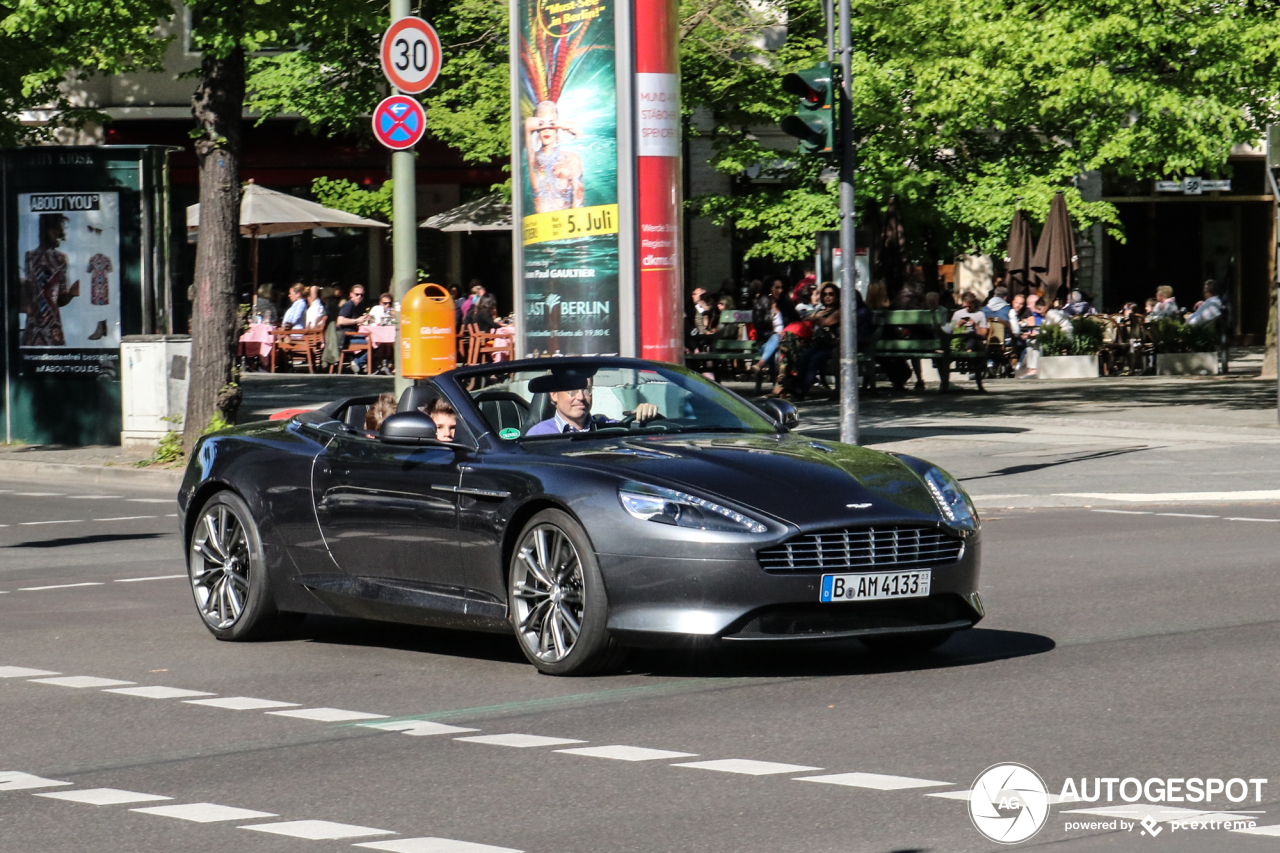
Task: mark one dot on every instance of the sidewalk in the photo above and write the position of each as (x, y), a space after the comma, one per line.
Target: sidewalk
(1025, 443)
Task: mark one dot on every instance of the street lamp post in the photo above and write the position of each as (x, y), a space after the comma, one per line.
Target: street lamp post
(848, 298)
(404, 233)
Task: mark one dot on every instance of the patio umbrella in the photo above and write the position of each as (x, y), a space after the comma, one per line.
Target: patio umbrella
(1055, 260)
(892, 263)
(490, 213)
(264, 212)
(1017, 259)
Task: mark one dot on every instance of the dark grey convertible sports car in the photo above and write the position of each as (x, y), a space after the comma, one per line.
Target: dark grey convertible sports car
(585, 504)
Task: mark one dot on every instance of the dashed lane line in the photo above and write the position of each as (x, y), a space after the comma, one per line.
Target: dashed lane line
(434, 845)
(418, 729)
(328, 715)
(204, 812)
(58, 586)
(38, 494)
(93, 497)
(104, 796)
(125, 518)
(317, 830)
(82, 681)
(13, 780)
(150, 500)
(24, 672)
(626, 753)
(1268, 520)
(1126, 511)
(747, 767)
(157, 692)
(58, 521)
(241, 703)
(151, 578)
(518, 740)
(1186, 515)
(875, 781)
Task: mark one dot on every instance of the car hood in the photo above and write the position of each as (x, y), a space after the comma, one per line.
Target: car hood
(811, 484)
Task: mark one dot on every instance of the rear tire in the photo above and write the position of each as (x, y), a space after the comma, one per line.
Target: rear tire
(907, 644)
(227, 571)
(557, 600)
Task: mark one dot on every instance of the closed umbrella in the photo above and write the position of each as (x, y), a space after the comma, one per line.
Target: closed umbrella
(891, 250)
(1017, 259)
(264, 211)
(1055, 260)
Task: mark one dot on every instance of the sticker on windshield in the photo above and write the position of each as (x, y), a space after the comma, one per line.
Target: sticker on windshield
(509, 433)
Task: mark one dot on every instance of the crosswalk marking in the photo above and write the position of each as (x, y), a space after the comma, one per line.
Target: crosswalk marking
(23, 672)
(1138, 811)
(875, 781)
(747, 767)
(626, 753)
(1054, 799)
(418, 728)
(516, 740)
(204, 812)
(158, 692)
(103, 796)
(81, 681)
(434, 845)
(241, 703)
(329, 715)
(317, 830)
(13, 780)
(1260, 830)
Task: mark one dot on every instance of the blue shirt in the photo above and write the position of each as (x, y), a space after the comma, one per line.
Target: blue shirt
(297, 311)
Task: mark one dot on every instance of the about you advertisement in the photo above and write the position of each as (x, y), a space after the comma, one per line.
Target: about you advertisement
(569, 176)
(69, 283)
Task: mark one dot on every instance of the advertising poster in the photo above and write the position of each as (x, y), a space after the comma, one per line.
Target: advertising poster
(568, 149)
(69, 283)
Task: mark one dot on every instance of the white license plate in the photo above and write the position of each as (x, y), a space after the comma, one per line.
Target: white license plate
(880, 585)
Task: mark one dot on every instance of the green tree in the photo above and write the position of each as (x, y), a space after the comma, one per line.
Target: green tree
(48, 41)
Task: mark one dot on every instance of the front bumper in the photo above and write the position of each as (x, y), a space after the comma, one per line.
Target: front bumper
(663, 601)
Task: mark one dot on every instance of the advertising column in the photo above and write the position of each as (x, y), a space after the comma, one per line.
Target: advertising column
(565, 161)
(658, 180)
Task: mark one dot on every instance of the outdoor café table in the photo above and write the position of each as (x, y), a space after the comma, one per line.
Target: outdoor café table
(257, 342)
(378, 335)
(503, 343)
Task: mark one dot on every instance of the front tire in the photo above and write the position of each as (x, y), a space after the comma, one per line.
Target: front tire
(557, 600)
(228, 572)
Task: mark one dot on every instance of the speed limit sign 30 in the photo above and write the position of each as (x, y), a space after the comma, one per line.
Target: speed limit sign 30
(411, 55)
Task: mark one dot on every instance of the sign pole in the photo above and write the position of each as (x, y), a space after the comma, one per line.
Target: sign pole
(404, 224)
(848, 287)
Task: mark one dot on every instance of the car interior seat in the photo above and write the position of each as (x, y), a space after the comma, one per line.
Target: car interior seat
(355, 416)
(416, 397)
(503, 410)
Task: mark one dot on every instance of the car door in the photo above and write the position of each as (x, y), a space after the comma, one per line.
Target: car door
(389, 511)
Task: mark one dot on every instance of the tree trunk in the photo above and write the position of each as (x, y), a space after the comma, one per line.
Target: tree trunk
(216, 105)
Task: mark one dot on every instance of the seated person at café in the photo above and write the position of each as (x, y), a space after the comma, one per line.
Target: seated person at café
(444, 416)
(351, 316)
(297, 306)
(263, 308)
(570, 393)
(1166, 305)
(970, 322)
(1208, 310)
(382, 314)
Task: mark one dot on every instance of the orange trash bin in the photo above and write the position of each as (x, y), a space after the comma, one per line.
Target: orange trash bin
(428, 339)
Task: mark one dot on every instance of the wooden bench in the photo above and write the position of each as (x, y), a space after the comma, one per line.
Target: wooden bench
(928, 341)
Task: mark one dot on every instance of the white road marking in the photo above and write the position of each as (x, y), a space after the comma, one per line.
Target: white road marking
(172, 515)
(1126, 511)
(151, 500)
(126, 518)
(434, 845)
(1271, 520)
(519, 740)
(1138, 811)
(152, 578)
(59, 521)
(23, 672)
(92, 497)
(104, 796)
(39, 494)
(1178, 497)
(58, 586)
(204, 812)
(418, 728)
(875, 781)
(626, 753)
(1260, 830)
(747, 767)
(329, 715)
(13, 780)
(317, 830)
(1054, 799)
(158, 692)
(242, 703)
(82, 681)
(996, 497)
(1186, 515)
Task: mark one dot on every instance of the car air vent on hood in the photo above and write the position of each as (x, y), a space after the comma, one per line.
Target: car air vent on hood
(865, 548)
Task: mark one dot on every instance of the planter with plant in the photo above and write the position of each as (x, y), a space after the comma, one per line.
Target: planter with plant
(1184, 350)
(1073, 356)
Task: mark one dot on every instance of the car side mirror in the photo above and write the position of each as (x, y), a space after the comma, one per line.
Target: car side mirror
(409, 428)
(782, 412)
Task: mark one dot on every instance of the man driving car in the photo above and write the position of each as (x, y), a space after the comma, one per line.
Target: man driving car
(571, 395)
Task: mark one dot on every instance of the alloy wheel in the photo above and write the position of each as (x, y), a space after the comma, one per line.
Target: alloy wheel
(220, 566)
(547, 592)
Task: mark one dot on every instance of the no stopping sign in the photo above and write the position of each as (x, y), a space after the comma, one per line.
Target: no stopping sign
(411, 55)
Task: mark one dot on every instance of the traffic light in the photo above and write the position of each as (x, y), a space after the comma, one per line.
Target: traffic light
(814, 122)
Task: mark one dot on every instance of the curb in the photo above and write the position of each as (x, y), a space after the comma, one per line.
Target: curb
(98, 474)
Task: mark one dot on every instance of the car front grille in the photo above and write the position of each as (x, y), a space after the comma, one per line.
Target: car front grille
(865, 548)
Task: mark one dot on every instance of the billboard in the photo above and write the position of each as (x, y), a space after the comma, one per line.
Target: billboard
(566, 167)
(68, 293)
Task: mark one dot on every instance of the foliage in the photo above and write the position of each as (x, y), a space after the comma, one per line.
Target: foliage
(1052, 339)
(49, 41)
(169, 450)
(969, 109)
(1171, 335)
(216, 423)
(350, 197)
(1085, 338)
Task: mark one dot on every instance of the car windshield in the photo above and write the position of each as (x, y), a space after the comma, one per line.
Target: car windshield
(568, 401)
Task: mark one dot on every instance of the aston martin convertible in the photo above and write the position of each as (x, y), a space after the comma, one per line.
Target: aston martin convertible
(585, 505)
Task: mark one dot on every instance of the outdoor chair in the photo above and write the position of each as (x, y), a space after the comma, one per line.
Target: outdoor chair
(354, 351)
(295, 344)
(1000, 354)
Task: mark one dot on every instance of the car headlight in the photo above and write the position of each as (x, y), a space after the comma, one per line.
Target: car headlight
(952, 501)
(667, 506)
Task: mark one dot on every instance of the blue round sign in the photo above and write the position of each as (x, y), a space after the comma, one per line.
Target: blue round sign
(399, 122)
